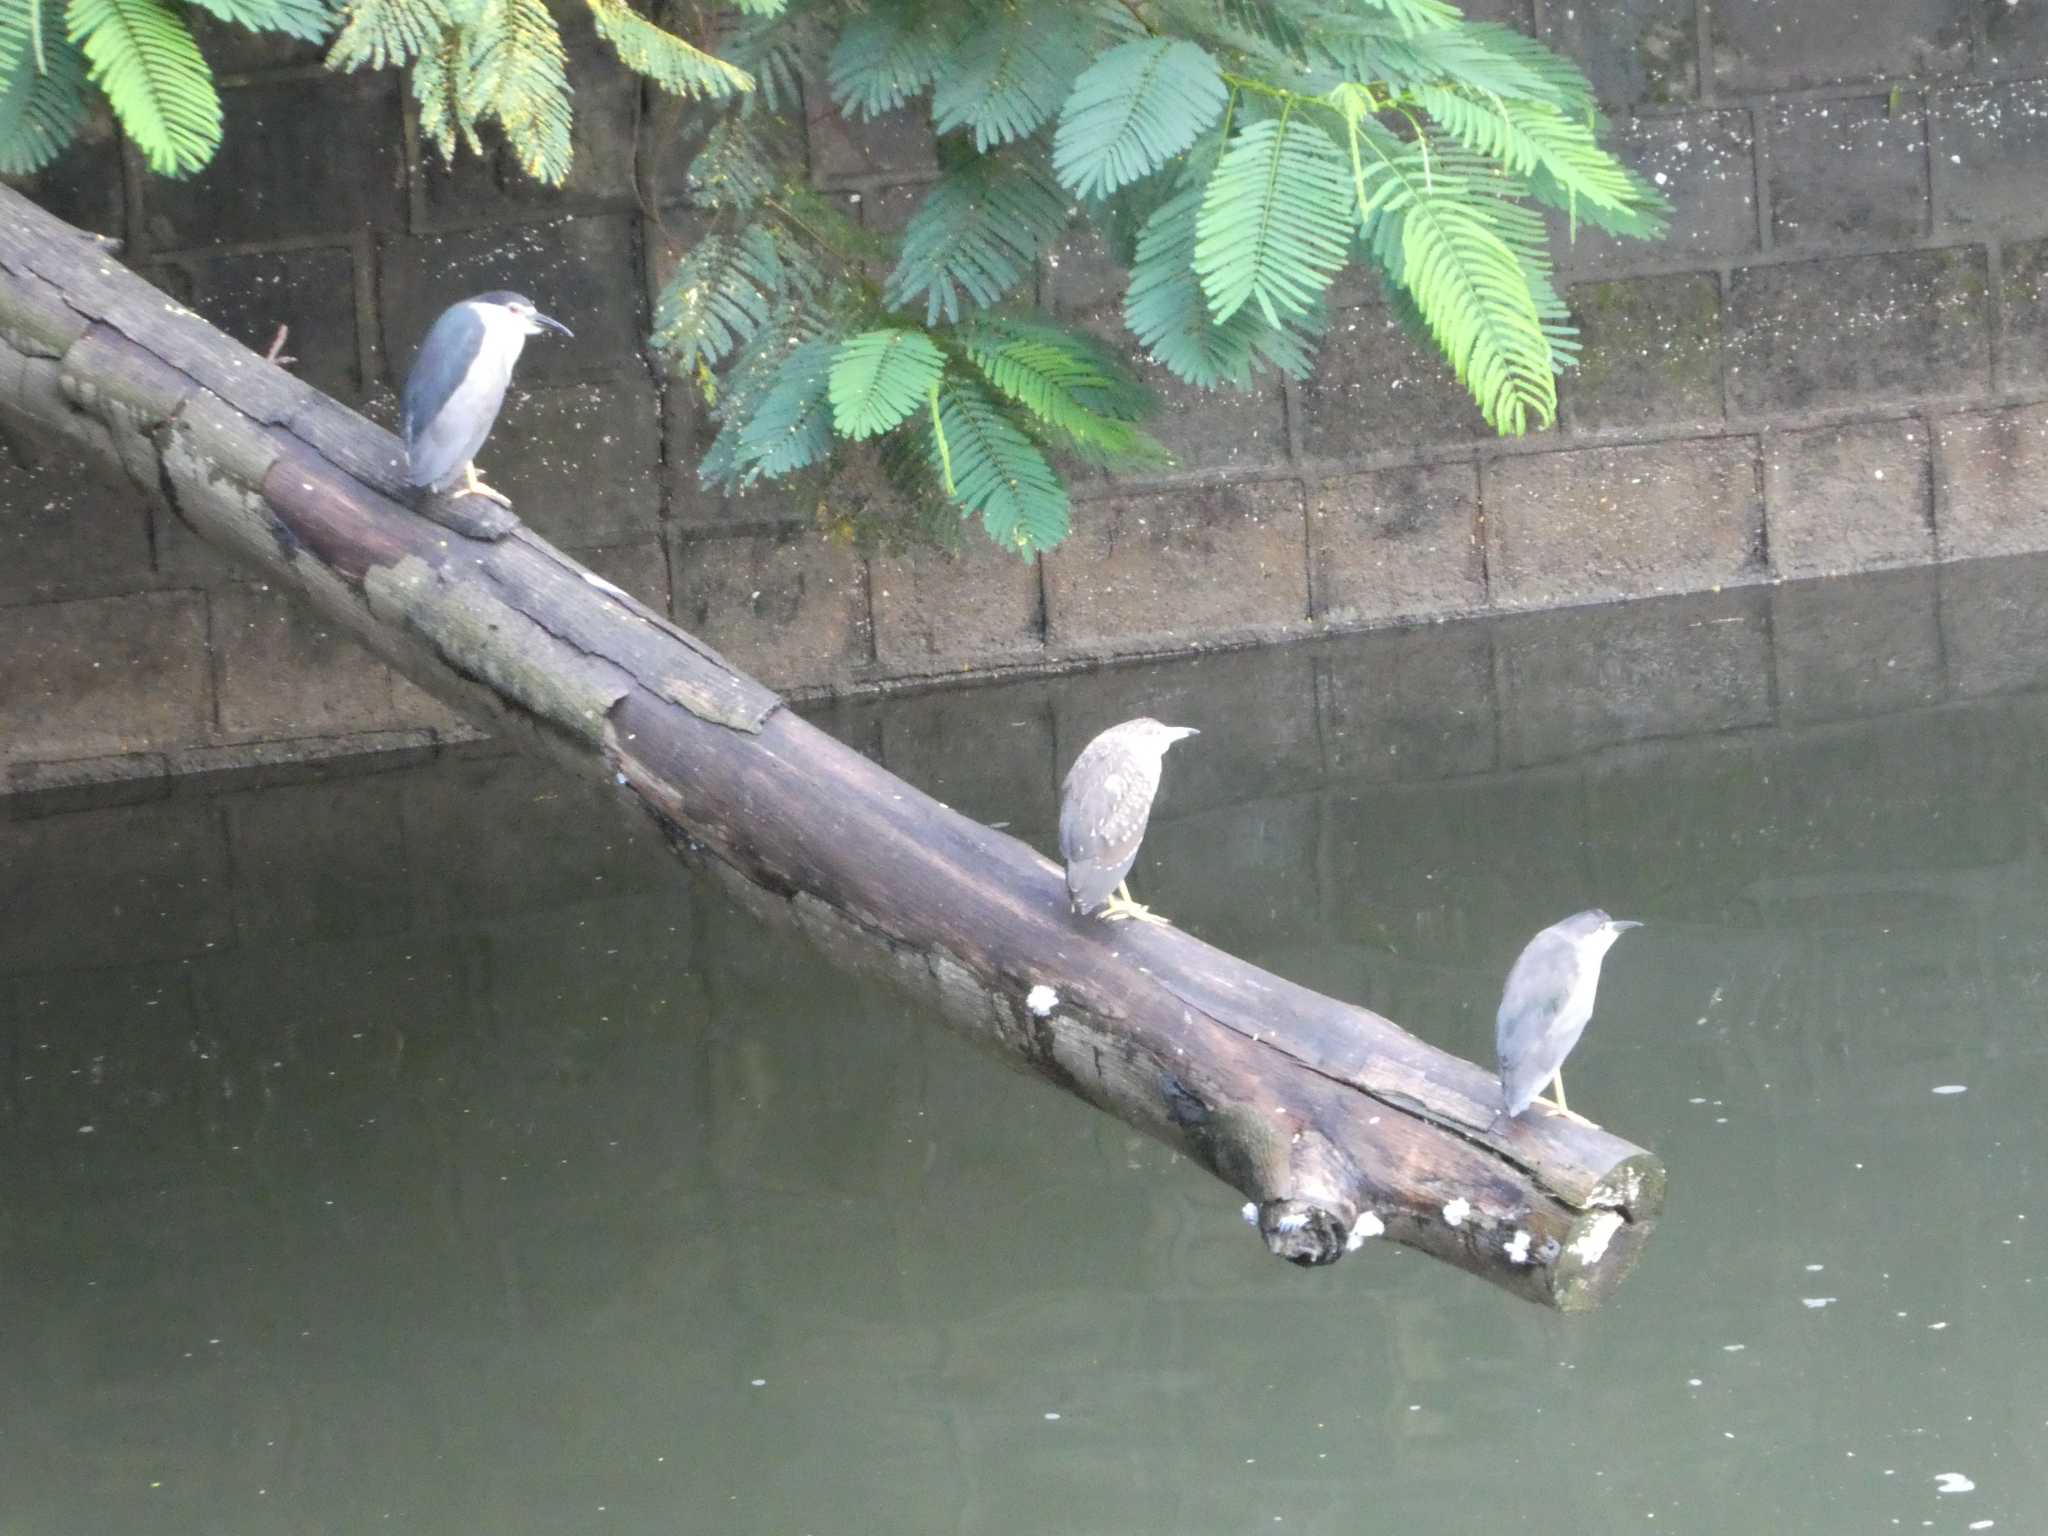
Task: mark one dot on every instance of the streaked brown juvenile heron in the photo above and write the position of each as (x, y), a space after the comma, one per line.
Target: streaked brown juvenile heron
(1104, 805)
(1547, 1005)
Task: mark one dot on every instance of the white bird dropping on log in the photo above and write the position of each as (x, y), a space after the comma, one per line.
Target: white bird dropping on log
(1456, 1212)
(1105, 802)
(1547, 1003)
(1041, 1000)
(1367, 1225)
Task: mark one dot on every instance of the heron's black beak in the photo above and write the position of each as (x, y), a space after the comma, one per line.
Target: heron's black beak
(552, 324)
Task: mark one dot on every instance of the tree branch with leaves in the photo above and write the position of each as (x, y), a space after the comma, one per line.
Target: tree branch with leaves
(1235, 156)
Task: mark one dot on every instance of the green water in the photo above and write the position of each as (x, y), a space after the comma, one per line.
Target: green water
(424, 1152)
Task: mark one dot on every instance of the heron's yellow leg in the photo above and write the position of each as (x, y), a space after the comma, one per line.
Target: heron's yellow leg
(1120, 906)
(471, 486)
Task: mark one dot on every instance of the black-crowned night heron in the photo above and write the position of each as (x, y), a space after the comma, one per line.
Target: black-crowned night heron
(1104, 805)
(1547, 1003)
(457, 384)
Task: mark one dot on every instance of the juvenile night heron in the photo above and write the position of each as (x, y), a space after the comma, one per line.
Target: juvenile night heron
(1104, 805)
(1547, 1003)
(457, 384)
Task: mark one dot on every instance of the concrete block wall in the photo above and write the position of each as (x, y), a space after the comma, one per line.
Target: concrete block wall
(1835, 363)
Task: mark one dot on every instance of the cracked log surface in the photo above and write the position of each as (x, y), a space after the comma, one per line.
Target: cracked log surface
(1332, 1120)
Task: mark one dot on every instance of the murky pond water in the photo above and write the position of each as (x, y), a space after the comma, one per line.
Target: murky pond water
(421, 1151)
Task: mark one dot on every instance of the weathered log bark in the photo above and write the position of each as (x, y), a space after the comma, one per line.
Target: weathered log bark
(1334, 1121)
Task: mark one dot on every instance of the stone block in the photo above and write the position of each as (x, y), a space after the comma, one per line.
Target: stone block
(68, 530)
(2023, 316)
(1652, 353)
(1858, 332)
(1848, 171)
(1767, 45)
(1396, 543)
(1256, 710)
(114, 887)
(1637, 52)
(288, 671)
(1599, 523)
(320, 861)
(84, 784)
(1855, 498)
(2015, 36)
(1705, 162)
(1138, 571)
(639, 568)
(789, 607)
(278, 176)
(1987, 145)
(86, 185)
(582, 461)
(986, 751)
(951, 611)
(1241, 430)
(1866, 647)
(583, 271)
(896, 146)
(475, 189)
(103, 676)
(1408, 703)
(1575, 682)
(1991, 482)
(1376, 389)
(312, 291)
(1994, 625)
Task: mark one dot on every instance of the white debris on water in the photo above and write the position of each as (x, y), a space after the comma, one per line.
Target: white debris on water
(1815, 1303)
(1953, 1088)
(1041, 1000)
(1814, 1269)
(1367, 1225)
(1953, 1482)
(1456, 1212)
(1590, 1244)
(1517, 1247)
(1733, 1349)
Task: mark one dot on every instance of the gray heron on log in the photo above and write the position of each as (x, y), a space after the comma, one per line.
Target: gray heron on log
(1104, 806)
(456, 387)
(1547, 1004)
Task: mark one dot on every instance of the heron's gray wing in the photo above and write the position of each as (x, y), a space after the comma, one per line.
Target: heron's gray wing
(1105, 804)
(1531, 1039)
(452, 344)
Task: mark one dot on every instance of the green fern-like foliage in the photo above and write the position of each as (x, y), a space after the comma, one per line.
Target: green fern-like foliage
(992, 469)
(141, 55)
(1011, 74)
(381, 34)
(307, 20)
(671, 62)
(1276, 222)
(1132, 111)
(879, 377)
(42, 89)
(1081, 399)
(977, 235)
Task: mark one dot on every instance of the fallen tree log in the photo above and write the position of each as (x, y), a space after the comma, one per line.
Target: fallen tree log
(1335, 1123)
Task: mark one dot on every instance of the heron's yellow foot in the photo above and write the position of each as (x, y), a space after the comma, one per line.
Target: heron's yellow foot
(1120, 906)
(1558, 1104)
(472, 486)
